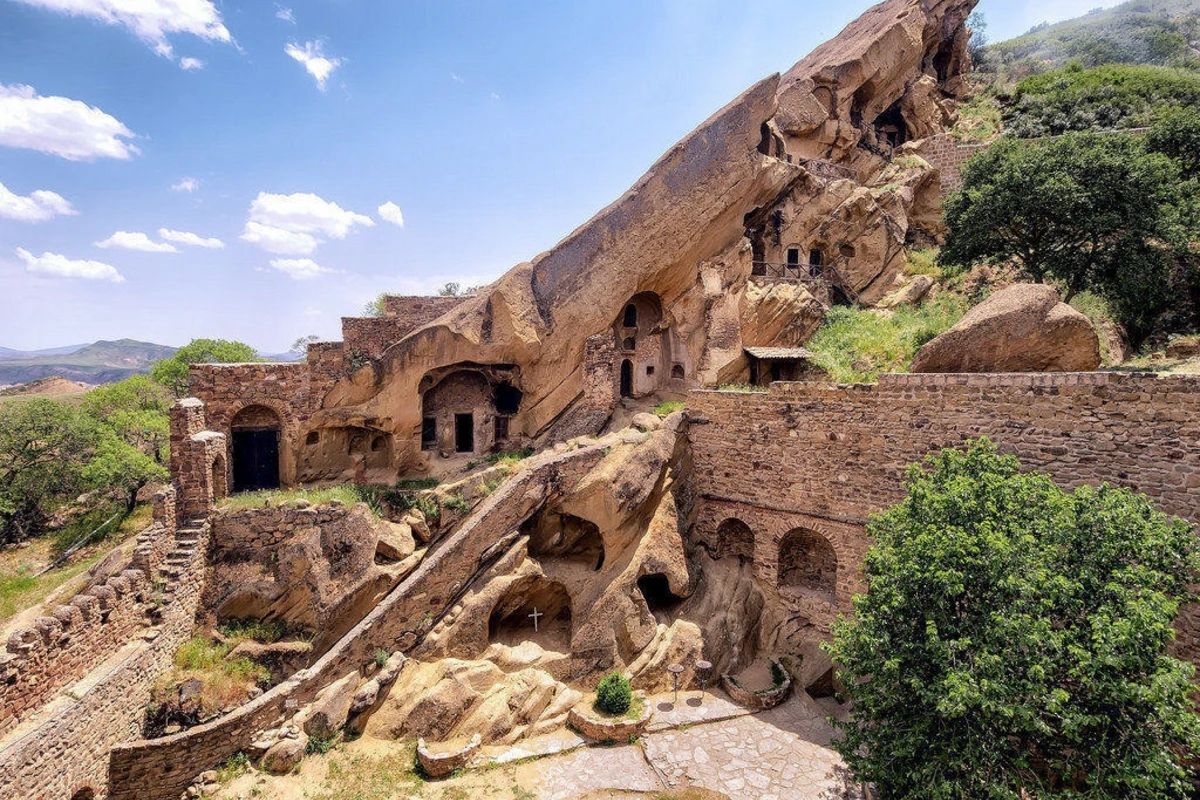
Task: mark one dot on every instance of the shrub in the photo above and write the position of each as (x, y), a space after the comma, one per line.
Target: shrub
(614, 694)
(668, 408)
(381, 657)
(458, 503)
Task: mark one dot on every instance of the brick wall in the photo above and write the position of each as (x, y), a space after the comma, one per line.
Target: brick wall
(823, 457)
(370, 336)
(267, 528)
(947, 156)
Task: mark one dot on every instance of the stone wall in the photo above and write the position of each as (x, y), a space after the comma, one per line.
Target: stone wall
(823, 458)
(64, 746)
(369, 336)
(161, 769)
(947, 156)
(267, 528)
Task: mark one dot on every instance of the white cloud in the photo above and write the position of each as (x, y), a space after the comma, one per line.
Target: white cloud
(186, 185)
(193, 239)
(314, 60)
(39, 206)
(390, 212)
(300, 269)
(60, 126)
(190, 64)
(151, 20)
(313, 312)
(454, 77)
(135, 240)
(294, 224)
(285, 14)
(495, 96)
(62, 267)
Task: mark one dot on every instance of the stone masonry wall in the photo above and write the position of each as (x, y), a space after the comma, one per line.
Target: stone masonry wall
(947, 156)
(64, 747)
(370, 336)
(267, 528)
(824, 458)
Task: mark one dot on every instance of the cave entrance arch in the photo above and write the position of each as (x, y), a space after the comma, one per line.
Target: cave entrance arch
(512, 619)
(656, 591)
(255, 439)
(556, 534)
(808, 562)
(627, 378)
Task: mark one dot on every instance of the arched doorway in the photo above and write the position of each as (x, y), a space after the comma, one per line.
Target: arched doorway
(627, 378)
(255, 438)
(807, 561)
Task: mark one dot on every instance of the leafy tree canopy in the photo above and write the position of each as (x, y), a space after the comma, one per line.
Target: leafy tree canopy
(1090, 211)
(173, 372)
(1012, 640)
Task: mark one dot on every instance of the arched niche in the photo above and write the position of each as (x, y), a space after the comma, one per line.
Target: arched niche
(511, 621)
(735, 539)
(255, 440)
(469, 408)
(556, 535)
(807, 561)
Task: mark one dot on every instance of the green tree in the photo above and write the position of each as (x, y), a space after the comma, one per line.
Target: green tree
(1084, 210)
(375, 308)
(119, 469)
(1011, 643)
(1176, 134)
(135, 413)
(44, 448)
(173, 372)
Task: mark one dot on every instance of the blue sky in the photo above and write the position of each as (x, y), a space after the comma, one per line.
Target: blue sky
(243, 169)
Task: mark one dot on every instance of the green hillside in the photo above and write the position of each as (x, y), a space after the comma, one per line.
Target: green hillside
(1160, 32)
(99, 362)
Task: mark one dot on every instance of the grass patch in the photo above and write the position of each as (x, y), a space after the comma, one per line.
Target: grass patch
(668, 408)
(239, 630)
(20, 585)
(923, 262)
(224, 681)
(410, 484)
(858, 345)
(233, 767)
(320, 745)
(980, 119)
(509, 458)
(458, 503)
(347, 494)
(362, 777)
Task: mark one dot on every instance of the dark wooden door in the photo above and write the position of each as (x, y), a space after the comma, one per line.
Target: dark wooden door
(464, 433)
(255, 460)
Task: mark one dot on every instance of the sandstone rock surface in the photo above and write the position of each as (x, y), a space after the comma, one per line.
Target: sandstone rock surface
(1024, 328)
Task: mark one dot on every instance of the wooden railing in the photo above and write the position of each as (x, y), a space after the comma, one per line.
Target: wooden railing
(828, 169)
(817, 275)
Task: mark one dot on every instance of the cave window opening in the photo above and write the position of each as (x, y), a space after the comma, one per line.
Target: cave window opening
(559, 535)
(312, 438)
(735, 538)
(507, 399)
(793, 256)
(501, 429)
(816, 263)
(848, 251)
(943, 60)
(627, 378)
(630, 320)
(758, 255)
(677, 372)
(429, 433)
(377, 444)
(464, 433)
(629, 344)
(890, 126)
(649, 370)
(357, 444)
(656, 591)
(764, 146)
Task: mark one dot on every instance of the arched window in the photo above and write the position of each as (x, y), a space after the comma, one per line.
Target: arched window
(630, 320)
(677, 372)
(807, 561)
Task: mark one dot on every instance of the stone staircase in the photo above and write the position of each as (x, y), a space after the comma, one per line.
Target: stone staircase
(168, 577)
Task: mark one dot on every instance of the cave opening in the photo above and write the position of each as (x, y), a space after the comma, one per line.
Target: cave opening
(533, 610)
(890, 126)
(559, 535)
(656, 591)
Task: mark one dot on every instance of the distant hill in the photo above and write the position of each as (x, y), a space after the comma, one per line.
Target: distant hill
(1161, 32)
(99, 362)
(8, 354)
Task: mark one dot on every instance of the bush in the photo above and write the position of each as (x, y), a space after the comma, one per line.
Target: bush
(614, 694)
(668, 408)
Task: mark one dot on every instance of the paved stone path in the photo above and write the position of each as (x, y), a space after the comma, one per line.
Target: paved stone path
(780, 754)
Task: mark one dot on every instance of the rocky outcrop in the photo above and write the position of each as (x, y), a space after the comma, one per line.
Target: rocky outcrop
(1024, 328)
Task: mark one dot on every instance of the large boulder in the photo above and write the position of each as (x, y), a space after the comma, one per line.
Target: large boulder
(1024, 328)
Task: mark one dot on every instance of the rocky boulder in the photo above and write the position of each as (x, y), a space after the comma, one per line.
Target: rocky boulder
(1024, 328)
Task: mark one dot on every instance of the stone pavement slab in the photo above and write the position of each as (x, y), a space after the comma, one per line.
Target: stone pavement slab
(596, 769)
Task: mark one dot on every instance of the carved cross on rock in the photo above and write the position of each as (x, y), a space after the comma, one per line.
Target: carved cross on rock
(534, 616)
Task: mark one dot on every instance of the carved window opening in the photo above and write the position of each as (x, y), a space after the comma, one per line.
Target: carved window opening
(501, 429)
(734, 539)
(890, 126)
(630, 320)
(847, 251)
(507, 399)
(312, 438)
(677, 372)
(629, 344)
(378, 444)
(793, 256)
(649, 370)
(429, 433)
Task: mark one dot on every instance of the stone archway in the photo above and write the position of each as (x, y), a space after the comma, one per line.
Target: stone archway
(512, 620)
(255, 439)
(807, 561)
(734, 539)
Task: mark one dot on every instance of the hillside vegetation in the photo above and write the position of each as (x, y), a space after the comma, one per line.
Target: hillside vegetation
(99, 362)
(1158, 32)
